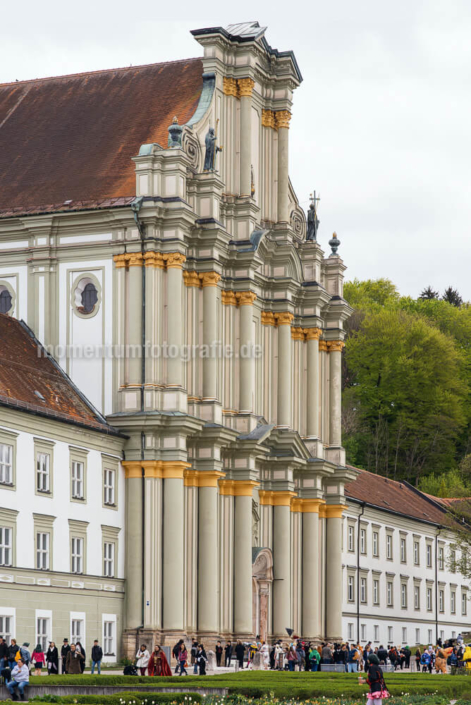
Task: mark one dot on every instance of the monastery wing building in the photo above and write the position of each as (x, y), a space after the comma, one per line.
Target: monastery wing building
(151, 239)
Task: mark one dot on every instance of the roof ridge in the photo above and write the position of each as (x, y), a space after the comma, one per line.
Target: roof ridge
(98, 71)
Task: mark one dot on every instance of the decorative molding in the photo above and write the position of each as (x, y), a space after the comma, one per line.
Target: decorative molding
(228, 298)
(268, 318)
(284, 319)
(120, 261)
(331, 511)
(245, 86)
(245, 298)
(282, 118)
(191, 279)
(237, 488)
(322, 346)
(297, 333)
(209, 278)
(335, 345)
(154, 259)
(174, 260)
(134, 259)
(202, 478)
(312, 333)
(229, 86)
(268, 118)
(160, 469)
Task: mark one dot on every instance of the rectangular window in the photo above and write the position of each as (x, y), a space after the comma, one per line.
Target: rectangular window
(453, 635)
(442, 635)
(6, 464)
(42, 636)
(363, 541)
(416, 553)
(429, 555)
(404, 635)
(389, 547)
(42, 472)
(389, 590)
(417, 636)
(441, 558)
(77, 630)
(363, 590)
(416, 597)
(108, 560)
(464, 604)
(6, 536)
(77, 480)
(429, 599)
(42, 550)
(5, 628)
(403, 595)
(376, 631)
(351, 588)
(77, 555)
(453, 602)
(109, 488)
(350, 631)
(376, 592)
(351, 538)
(108, 639)
(453, 561)
(441, 600)
(390, 635)
(363, 632)
(430, 636)
(403, 550)
(375, 543)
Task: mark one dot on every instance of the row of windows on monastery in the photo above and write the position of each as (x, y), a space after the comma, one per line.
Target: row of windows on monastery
(406, 634)
(44, 474)
(404, 594)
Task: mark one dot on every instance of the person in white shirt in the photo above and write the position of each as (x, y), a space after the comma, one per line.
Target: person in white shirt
(19, 679)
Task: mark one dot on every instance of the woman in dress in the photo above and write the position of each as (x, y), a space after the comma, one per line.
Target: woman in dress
(202, 660)
(52, 659)
(265, 652)
(375, 680)
(158, 664)
(142, 661)
(38, 659)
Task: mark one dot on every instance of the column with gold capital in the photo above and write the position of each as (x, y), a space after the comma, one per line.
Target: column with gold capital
(246, 300)
(210, 281)
(284, 321)
(282, 616)
(334, 582)
(174, 263)
(282, 118)
(135, 262)
(334, 348)
(245, 86)
(311, 618)
(312, 392)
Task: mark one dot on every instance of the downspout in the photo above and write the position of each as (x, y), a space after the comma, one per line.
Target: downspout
(358, 570)
(436, 583)
(136, 207)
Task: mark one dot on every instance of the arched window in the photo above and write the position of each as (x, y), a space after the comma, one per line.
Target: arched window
(5, 300)
(89, 298)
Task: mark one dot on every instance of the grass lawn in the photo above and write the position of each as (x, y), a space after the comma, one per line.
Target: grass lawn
(287, 686)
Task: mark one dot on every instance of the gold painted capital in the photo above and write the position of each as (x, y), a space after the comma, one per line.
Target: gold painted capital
(322, 346)
(284, 319)
(161, 469)
(332, 511)
(191, 279)
(174, 260)
(297, 333)
(268, 118)
(174, 469)
(228, 298)
(237, 488)
(135, 259)
(202, 478)
(282, 118)
(154, 259)
(209, 278)
(296, 504)
(267, 318)
(120, 261)
(245, 86)
(312, 333)
(132, 469)
(229, 86)
(335, 345)
(312, 506)
(245, 298)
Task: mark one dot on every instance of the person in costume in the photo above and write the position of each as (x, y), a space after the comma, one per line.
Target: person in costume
(158, 664)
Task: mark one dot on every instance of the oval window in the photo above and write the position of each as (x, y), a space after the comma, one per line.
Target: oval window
(89, 298)
(5, 300)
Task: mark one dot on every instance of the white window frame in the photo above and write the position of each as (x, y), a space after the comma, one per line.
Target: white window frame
(464, 604)
(363, 632)
(390, 635)
(403, 550)
(376, 632)
(77, 628)
(6, 546)
(429, 555)
(404, 595)
(389, 551)
(441, 600)
(78, 479)
(43, 632)
(43, 470)
(351, 588)
(6, 464)
(376, 591)
(350, 631)
(42, 550)
(7, 624)
(351, 538)
(77, 556)
(363, 541)
(430, 636)
(375, 543)
(109, 487)
(453, 602)
(417, 636)
(109, 638)
(363, 590)
(108, 559)
(390, 593)
(404, 635)
(416, 553)
(429, 599)
(441, 558)
(417, 597)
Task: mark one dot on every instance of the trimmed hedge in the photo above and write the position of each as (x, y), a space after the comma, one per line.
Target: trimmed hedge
(117, 698)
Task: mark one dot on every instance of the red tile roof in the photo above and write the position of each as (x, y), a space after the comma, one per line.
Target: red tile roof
(33, 382)
(393, 496)
(73, 137)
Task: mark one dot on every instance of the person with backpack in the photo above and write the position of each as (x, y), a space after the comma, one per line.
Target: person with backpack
(13, 650)
(25, 654)
(382, 655)
(353, 658)
(314, 659)
(375, 680)
(426, 662)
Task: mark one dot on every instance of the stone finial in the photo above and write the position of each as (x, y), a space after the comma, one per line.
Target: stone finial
(334, 242)
(175, 134)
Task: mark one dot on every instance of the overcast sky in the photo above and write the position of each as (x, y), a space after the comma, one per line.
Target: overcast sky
(381, 123)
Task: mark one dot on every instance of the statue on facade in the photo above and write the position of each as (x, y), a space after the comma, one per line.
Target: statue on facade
(211, 150)
(312, 219)
(175, 134)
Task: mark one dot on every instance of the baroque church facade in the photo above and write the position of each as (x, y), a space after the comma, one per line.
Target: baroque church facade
(160, 255)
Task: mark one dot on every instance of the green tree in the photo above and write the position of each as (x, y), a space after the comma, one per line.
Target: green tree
(452, 296)
(429, 293)
(407, 388)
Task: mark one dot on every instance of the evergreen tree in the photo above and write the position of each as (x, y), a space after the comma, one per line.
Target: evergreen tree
(452, 297)
(429, 293)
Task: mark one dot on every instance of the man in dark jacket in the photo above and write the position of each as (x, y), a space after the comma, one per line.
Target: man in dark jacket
(3, 652)
(64, 651)
(97, 655)
(382, 655)
(228, 654)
